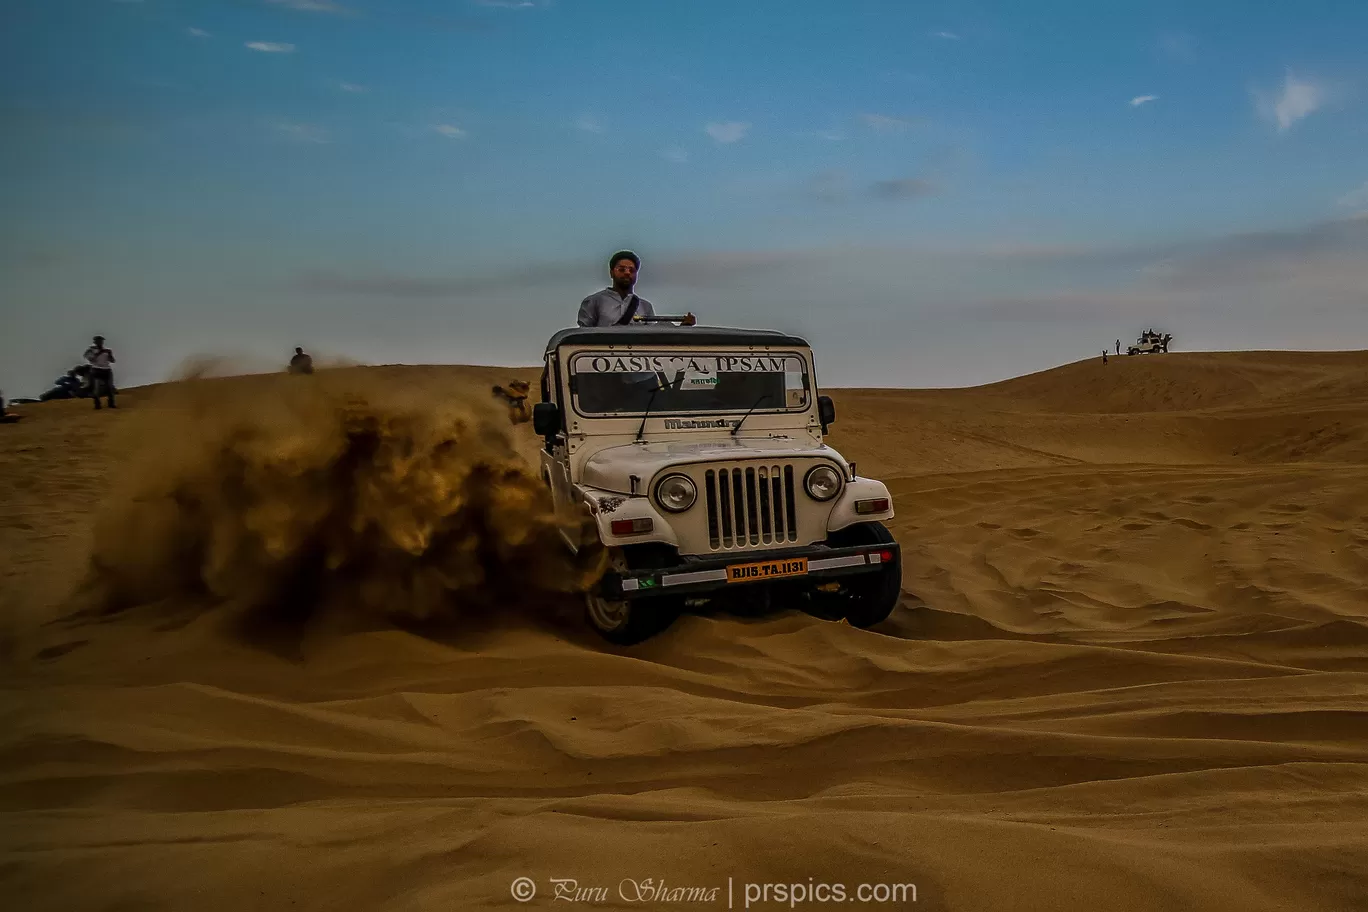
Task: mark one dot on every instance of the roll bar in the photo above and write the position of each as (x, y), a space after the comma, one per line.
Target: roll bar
(687, 319)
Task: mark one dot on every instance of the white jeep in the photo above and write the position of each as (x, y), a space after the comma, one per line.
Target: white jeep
(1150, 343)
(695, 457)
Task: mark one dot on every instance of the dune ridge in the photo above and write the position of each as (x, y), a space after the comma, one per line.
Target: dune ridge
(1129, 671)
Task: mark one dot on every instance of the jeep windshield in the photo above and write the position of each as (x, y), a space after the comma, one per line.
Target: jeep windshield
(628, 383)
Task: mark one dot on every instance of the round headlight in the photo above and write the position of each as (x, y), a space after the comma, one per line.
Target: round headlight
(822, 483)
(676, 493)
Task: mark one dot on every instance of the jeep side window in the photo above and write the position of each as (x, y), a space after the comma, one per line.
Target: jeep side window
(795, 389)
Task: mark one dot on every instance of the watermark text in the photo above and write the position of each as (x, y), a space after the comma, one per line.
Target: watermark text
(652, 891)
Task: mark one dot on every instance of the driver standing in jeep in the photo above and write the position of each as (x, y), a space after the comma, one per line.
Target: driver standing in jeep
(617, 304)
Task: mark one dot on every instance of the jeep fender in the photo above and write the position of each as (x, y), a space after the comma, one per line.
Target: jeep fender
(605, 507)
(843, 511)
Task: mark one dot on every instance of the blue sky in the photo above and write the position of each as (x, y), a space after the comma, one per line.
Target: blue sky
(935, 193)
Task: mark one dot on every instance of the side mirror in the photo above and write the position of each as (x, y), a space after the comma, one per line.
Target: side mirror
(826, 411)
(546, 419)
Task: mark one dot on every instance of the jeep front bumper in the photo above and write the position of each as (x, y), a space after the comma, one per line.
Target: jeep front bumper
(710, 574)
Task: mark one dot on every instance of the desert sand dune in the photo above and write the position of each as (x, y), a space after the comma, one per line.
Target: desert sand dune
(1129, 671)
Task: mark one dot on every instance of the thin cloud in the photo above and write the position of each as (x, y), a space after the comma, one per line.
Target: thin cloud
(685, 270)
(197, 33)
(313, 6)
(726, 133)
(832, 186)
(271, 47)
(1138, 100)
(351, 87)
(450, 131)
(677, 154)
(385, 286)
(905, 188)
(1073, 307)
(1324, 263)
(831, 135)
(948, 36)
(509, 4)
(1178, 45)
(835, 186)
(303, 132)
(1356, 199)
(882, 123)
(1297, 99)
(588, 124)
(1324, 249)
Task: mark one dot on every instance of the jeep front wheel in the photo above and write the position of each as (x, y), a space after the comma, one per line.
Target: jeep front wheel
(630, 621)
(871, 597)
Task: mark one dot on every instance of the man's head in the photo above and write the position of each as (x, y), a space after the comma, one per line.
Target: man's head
(299, 350)
(623, 268)
(99, 340)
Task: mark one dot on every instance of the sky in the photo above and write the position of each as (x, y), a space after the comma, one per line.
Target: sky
(933, 194)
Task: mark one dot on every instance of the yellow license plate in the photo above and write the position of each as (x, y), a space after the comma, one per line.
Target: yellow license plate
(764, 570)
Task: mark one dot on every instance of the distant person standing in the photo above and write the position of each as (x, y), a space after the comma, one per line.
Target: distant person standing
(301, 363)
(101, 371)
(1118, 346)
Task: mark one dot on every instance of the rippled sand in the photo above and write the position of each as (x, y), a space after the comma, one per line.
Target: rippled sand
(1129, 671)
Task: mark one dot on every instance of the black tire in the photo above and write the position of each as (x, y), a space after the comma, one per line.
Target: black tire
(870, 598)
(628, 622)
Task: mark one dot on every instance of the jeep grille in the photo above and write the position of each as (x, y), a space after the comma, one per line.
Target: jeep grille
(750, 506)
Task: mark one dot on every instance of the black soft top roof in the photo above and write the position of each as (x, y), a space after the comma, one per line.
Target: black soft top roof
(666, 334)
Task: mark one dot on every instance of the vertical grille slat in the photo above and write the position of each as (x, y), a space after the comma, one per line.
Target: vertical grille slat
(777, 485)
(710, 492)
(752, 519)
(766, 505)
(724, 507)
(749, 505)
(739, 505)
(792, 507)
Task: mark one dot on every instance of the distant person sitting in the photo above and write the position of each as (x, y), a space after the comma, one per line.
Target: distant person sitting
(101, 373)
(68, 386)
(301, 363)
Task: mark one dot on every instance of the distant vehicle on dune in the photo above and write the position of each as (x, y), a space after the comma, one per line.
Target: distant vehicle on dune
(1151, 342)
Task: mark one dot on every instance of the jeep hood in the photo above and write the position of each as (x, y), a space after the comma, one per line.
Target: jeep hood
(610, 469)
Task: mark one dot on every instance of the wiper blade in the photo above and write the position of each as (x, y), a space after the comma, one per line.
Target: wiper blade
(649, 402)
(748, 413)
